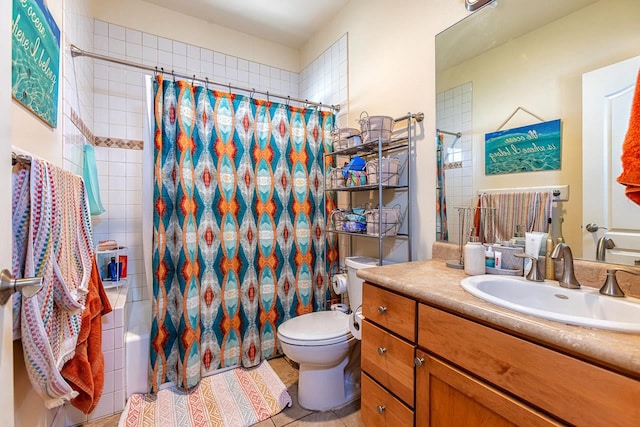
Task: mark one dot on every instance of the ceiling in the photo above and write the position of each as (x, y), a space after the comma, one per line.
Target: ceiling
(287, 22)
(496, 24)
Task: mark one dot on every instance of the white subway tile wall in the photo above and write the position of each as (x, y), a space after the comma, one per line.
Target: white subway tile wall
(77, 84)
(454, 114)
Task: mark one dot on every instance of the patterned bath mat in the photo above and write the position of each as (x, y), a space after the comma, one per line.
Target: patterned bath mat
(234, 398)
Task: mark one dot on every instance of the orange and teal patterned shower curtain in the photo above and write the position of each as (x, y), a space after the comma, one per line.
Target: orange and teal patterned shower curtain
(239, 243)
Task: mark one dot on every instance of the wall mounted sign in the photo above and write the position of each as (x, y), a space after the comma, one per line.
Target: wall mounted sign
(524, 149)
(35, 59)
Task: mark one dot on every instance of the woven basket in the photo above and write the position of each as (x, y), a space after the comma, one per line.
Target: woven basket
(373, 128)
(390, 221)
(335, 179)
(353, 221)
(345, 138)
(390, 171)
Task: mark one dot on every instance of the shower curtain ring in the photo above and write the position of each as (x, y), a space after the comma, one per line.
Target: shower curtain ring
(268, 97)
(253, 92)
(155, 73)
(206, 83)
(229, 88)
(173, 75)
(288, 101)
(193, 80)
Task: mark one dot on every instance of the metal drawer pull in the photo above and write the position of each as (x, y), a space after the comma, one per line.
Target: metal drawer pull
(381, 408)
(382, 309)
(381, 350)
(419, 361)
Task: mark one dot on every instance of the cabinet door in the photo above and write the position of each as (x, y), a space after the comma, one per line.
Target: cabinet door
(380, 408)
(389, 360)
(572, 390)
(448, 397)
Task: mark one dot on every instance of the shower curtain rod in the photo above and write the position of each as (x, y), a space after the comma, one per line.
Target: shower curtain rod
(456, 134)
(76, 51)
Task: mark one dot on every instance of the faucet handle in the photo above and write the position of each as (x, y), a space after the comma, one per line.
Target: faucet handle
(610, 286)
(535, 274)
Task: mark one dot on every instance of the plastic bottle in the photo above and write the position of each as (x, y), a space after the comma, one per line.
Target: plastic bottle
(560, 237)
(113, 270)
(498, 256)
(474, 263)
(489, 257)
(549, 264)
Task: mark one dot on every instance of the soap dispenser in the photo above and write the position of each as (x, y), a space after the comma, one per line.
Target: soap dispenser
(489, 257)
(474, 255)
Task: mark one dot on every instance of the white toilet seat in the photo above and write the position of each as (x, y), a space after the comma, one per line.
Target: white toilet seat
(320, 328)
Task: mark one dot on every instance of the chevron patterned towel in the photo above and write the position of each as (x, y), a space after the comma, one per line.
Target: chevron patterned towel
(52, 239)
(234, 398)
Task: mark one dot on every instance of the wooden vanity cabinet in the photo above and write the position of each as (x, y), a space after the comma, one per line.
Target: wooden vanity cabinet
(470, 369)
(387, 358)
(428, 367)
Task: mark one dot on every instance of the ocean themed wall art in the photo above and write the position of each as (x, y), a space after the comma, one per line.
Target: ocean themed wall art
(35, 59)
(524, 149)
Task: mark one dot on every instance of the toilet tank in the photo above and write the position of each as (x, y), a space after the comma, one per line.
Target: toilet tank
(354, 283)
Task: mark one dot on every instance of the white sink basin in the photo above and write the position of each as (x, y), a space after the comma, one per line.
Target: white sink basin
(584, 306)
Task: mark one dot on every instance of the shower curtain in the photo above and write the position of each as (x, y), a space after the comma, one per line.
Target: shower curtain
(238, 228)
(441, 198)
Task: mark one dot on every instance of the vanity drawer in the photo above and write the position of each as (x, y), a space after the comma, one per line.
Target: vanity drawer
(388, 359)
(389, 310)
(379, 408)
(575, 391)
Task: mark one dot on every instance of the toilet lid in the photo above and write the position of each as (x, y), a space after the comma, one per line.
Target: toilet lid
(319, 328)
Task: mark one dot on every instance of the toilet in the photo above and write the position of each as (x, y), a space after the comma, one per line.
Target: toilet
(324, 346)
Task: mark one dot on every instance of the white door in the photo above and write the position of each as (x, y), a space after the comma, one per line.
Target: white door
(607, 94)
(6, 339)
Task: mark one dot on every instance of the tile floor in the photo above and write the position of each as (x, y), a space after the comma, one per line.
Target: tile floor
(296, 416)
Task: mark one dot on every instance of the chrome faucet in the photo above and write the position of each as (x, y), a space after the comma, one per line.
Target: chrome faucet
(568, 279)
(535, 274)
(610, 286)
(604, 243)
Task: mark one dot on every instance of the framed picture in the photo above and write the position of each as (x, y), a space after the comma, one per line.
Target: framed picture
(524, 149)
(35, 59)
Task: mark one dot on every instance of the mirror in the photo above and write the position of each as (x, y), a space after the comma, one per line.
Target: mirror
(511, 57)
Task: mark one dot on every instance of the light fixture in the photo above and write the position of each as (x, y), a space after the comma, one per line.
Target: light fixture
(475, 4)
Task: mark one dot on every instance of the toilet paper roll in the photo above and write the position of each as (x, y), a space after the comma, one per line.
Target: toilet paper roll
(355, 324)
(339, 283)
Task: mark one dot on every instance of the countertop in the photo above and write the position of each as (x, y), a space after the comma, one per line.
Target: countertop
(432, 282)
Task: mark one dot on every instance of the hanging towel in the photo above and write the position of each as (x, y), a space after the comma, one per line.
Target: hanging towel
(531, 209)
(630, 175)
(90, 176)
(85, 372)
(52, 239)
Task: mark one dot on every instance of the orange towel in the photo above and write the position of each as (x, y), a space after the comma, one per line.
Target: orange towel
(85, 371)
(630, 175)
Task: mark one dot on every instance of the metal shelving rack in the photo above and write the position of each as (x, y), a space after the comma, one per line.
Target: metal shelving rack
(375, 149)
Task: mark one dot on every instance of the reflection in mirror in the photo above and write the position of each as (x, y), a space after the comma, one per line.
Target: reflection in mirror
(613, 229)
(506, 56)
